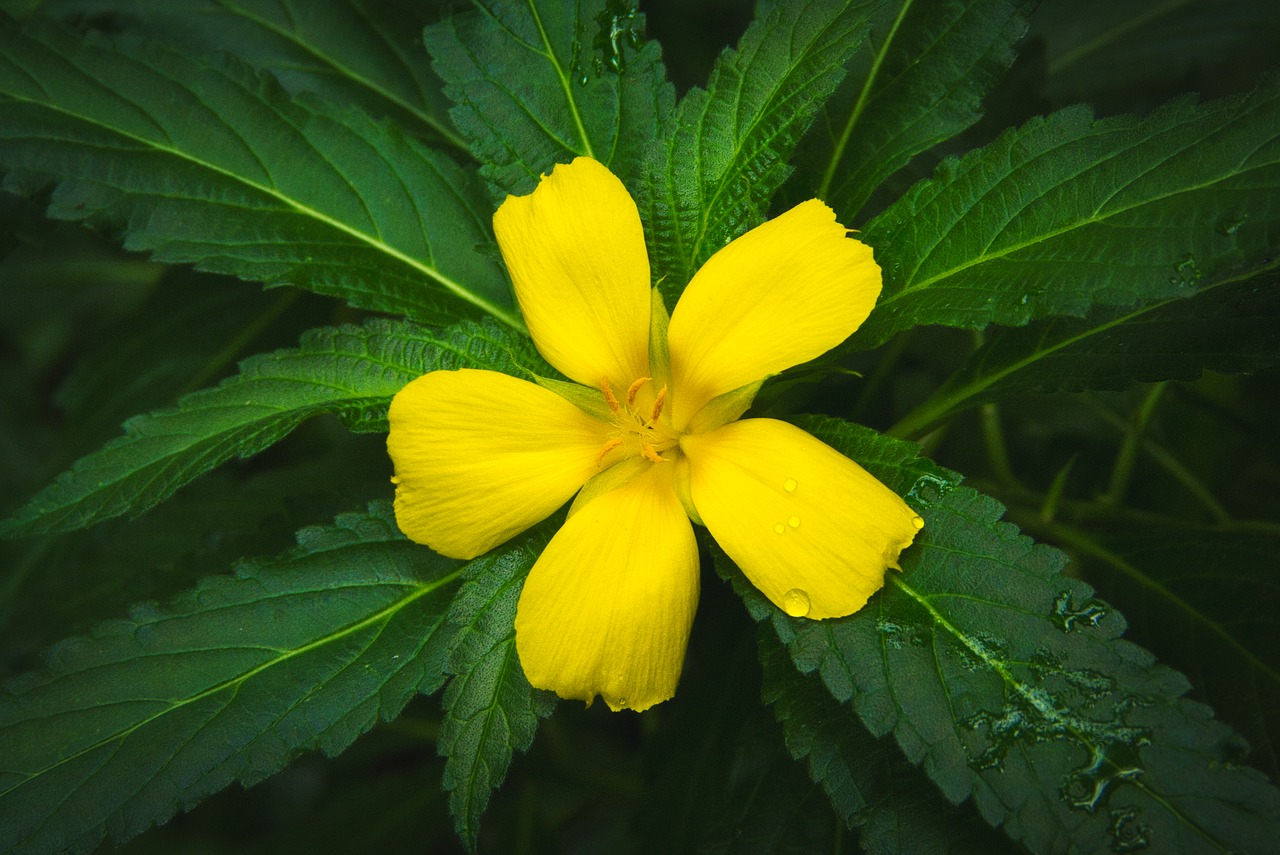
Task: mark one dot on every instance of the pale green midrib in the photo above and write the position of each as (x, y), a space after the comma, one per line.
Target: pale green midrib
(445, 132)
(382, 616)
(238, 432)
(565, 83)
(1084, 222)
(837, 154)
(451, 285)
(1024, 692)
(722, 183)
(1056, 65)
(487, 725)
(934, 410)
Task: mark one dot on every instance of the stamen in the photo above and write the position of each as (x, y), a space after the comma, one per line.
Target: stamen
(605, 449)
(608, 395)
(657, 405)
(635, 388)
(650, 454)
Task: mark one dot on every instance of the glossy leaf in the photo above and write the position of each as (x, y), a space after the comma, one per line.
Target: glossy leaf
(541, 82)
(923, 81)
(351, 371)
(1231, 327)
(491, 711)
(229, 682)
(1009, 682)
(354, 52)
(1067, 213)
(212, 165)
(715, 168)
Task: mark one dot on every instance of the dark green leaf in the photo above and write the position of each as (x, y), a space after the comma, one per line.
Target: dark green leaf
(717, 165)
(933, 62)
(352, 52)
(1067, 213)
(1204, 600)
(1010, 683)
(216, 166)
(491, 711)
(1231, 327)
(229, 682)
(352, 371)
(538, 83)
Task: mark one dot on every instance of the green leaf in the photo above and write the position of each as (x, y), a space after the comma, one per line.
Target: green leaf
(1066, 213)
(715, 167)
(491, 711)
(866, 780)
(1216, 626)
(352, 371)
(355, 52)
(212, 165)
(538, 83)
(932, 64)
(1231, 326)
(229, 682)
(1010, 684)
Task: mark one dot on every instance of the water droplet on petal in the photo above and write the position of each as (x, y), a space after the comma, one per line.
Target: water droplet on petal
(795, 603)
(794, 522)
(790, 485)
(779, 528)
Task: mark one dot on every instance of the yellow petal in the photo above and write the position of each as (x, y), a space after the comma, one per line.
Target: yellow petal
(480, 456)
(575, 251)
(810, 528)
(783, 293)
(607, 608)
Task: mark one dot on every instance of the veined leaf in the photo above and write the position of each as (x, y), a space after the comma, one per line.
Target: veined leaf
(353, 52)
(212, 165)
(1215, 625)
(538, 83)
(1010, 684)
(932, 63)
(1232, 327)
(1067, 213)
(229, 682)
(352, 371)
(712, 172)
(491, 711)
(867, 781)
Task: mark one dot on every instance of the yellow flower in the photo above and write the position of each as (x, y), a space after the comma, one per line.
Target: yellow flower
(650, 427)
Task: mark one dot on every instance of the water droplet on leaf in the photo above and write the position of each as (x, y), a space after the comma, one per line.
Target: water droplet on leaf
(1127, 833)
(1091, 613)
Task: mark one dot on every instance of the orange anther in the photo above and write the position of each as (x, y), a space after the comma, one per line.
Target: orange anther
(634, 389)
(650, 454)
(657, 405)
(605, 449)
(608, 395)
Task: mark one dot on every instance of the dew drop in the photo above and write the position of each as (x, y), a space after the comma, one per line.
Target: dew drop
(790, 485)
(794, 522)
(1128, 833)
(779, 528)
(795, 603)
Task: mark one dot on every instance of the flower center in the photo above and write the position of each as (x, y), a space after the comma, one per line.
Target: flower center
(640, 427)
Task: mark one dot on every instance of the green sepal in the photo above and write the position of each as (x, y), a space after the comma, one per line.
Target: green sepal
(659, 357)
(590, 401)
(618, 475)
(725, 408)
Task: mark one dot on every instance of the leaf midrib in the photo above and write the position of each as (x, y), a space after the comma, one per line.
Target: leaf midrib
(451, 285)
(382, 616)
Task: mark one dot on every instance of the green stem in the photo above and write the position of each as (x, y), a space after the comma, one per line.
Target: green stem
(1122, 470)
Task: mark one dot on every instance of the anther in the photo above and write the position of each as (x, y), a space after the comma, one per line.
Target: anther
(608, 395)
(650, 454)
(605, 449)
(657, 405)
(634, 389)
